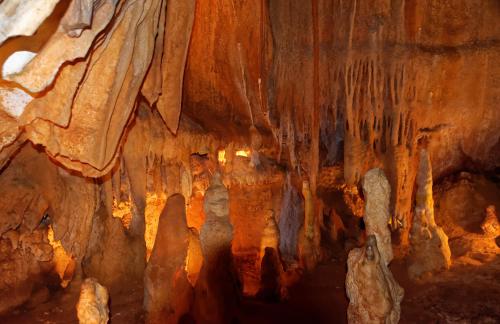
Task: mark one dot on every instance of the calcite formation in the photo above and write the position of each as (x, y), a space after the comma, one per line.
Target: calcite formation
(309, 235)
(167, 292)
(290, 222)
(377, 191)
(270, 276)
(490, 225)
(429, 250)
(92, 306)
(270, 234)
(24, 258)
(215, 291)
(21, 17)
(374, 295)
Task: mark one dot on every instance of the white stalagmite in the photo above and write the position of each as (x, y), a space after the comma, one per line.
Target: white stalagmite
(377, 192)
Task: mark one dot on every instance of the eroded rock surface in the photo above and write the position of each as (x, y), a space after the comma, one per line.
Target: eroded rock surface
(377, 193)
(374, 295)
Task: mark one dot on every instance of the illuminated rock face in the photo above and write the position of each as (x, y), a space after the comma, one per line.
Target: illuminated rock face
(92, 306)
(167, 291)
(215, 291)
(429, 250)
(374, 295)
(377, 193)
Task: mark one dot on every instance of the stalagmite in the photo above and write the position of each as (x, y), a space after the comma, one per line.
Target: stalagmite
(377, 193)
(429, 250)
(270, 235)
(490, 225)
(167, 292)
(290, 222)
(374, 295)
(92, 307)
(215, 291)
(309, 237)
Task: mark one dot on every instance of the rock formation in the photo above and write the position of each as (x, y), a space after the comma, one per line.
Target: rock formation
(270, 235)
(377, 193)
(167, 292)
(309, 235)
(24, 259)
(290, 221)
(271, 271)
(374, 295)
(92, 306)
(215, 291)
(490, 225)
(429, 250)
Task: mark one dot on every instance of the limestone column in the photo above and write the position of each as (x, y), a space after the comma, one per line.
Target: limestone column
(429, 250)
(167, 292)
(377, 192)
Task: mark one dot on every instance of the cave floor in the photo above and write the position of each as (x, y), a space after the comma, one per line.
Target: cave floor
(468, 293)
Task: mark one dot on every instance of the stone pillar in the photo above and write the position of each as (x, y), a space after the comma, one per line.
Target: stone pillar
(215, 291)
(429, 250)
(167, 292)
(377, 192)
(92, 306)
(374, 295)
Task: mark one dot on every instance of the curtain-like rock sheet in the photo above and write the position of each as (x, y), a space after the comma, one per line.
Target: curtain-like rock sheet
(23, 17)
(179, 23)
(77, 94)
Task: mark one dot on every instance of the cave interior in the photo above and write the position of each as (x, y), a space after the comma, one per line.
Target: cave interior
(318, 161)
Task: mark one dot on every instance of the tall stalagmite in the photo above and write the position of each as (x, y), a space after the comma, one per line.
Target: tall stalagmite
(377, 193)
(429, 250)
(215, 291)
(309, 235)
(167, 292)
